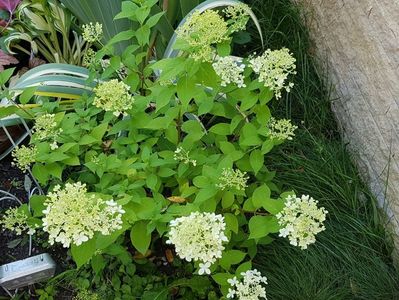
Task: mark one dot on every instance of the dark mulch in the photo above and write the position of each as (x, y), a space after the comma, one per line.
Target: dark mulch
(11, 181)
(13, 247)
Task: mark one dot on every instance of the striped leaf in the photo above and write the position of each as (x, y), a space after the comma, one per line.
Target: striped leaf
(55, 80)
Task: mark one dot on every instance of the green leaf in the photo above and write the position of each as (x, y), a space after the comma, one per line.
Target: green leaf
(267, 146)
(261, 226)
(27, 94)
(235, 122)
(223, 49)
(162, 97)
(115, 62)
(99, 131)
(220, 129)
(201, 181)
(262, 114)
(265, 96)
(128, 10)
(40, 173)
(273, 206)
(231, 222)
(142, 13)
(5, 75)
(54, 169)
(152, 181)
(153, 20)
(249, 136)
(133, 81)
(122, 36)
(260, 195)
(143, 35)
(205, 194)
(256, 159)
(56, 156)
(170, 67)
(227, 199)
(166, 172)
(171, 134)
(248, 100)
(87, 140)
(7, 111)
(185, 88)
(37, 204)
(231, 257)
(98, 263)
(72, 161)
(139, 236)
(244, 267)
(195, 133)
(103, 241)
(221, 278)
(83, 253)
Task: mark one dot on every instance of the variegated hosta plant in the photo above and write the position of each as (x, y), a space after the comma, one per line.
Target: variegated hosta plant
(47, 27)
(165, 164)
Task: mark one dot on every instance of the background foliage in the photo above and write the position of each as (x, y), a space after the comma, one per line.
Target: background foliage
(352, 258)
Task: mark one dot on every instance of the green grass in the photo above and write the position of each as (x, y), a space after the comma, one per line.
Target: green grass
(351, 259)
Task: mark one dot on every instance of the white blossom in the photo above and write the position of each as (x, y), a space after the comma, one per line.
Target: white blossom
(46, 128)
(92, 32)
(281, 129)
(301, 220)
(16, 220)
(238, 15)
(273, 68)
(201, 31)
(24, 156)
(72, 216)
(250, 287)
(204, 268)
(198, 237)
(113, 96)
(230, 70)
(231, 178)
(184, 156)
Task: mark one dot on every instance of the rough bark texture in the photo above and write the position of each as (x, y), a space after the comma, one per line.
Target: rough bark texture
(358, 43)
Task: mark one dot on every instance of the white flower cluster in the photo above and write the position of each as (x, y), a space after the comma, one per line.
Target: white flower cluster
(230, 70)
(86, 295)
(238, 15)
(281, 129)
(16, 220)
(24, 157)
(45, 128)
(202, 30)
(301, 220)
(72, 216)
(233, 179)
(198, 237)
(89, 59)
(113, 96)
(92, 32)
(249, 288)
(184, 156)
(273, 68)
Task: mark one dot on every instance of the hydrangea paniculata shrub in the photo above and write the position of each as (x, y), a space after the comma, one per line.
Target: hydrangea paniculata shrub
(167, 162)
